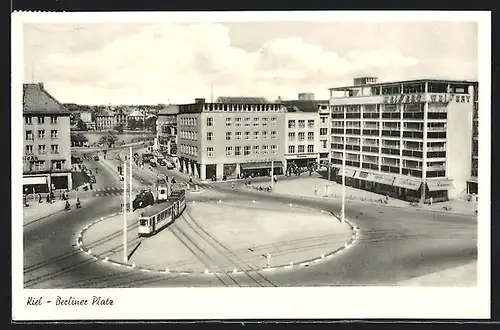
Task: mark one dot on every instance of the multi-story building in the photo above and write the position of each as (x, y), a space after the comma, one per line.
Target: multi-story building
(105, 120)
(407, 139)
(121, 118)
(472, 182)
(166, 129)
(47, 143)
(137, 115)
(86, 116)
(234, 136)
(302, 133)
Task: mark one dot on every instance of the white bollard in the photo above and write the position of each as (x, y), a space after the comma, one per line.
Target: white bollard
(290, 204)
(253, 201)
(291, 264)
(234, 271)
(167, 270)
(106, 258)
(220, 201)
(102, 218)
(268, 260)
(322, 256)
(133, 265)
(89, 251)
(194, 202)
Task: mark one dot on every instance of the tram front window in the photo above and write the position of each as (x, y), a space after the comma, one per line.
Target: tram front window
(143, 222)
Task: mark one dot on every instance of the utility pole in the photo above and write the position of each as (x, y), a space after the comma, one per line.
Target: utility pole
(272, 174)
(342, 216)
(130, 178)
(125, 254)
(329, 141)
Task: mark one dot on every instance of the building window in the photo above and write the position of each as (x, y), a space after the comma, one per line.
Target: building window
(53, 120)
(291, 124)
(237, 121)
(42, 149)
(29, 150)
(210, 136)
(291, 149)
(301, 136)
(247, 121)
(264, 135)
(210, 122)
(255, 135)
(228, 122)
(256, 150)
(310, 136)
(238, 135)
(323, 131)
(324, 143)
(265, 150)
(229, 151)
(301, 149)
(274, 149)
(237, 151)
(323, 120)
(256, 121)
(247, 135)
(41, 120)
(273, 135)
(310, 123)
(28, 120)
(54, 149)
(58, 164)
(246, 151)
(273, 121)
(302, 123)
(29, 135)
(291, 136)
(210, 151)
(41, 134)
(310, 148)
(228, 136)
(39, 165)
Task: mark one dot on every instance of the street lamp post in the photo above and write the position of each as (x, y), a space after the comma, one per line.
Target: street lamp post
(329, 142)
(130, 177)
(342, 215)
(272, 174)
(125, 254)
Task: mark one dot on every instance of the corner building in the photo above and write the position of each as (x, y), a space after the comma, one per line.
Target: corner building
(231, 137)
(408, 139)
(47, 143)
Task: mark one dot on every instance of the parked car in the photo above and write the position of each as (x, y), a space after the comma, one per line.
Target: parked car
(170, 166)
(162, 162)
(152, 163)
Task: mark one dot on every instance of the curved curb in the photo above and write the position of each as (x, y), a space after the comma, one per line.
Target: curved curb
(291, 265)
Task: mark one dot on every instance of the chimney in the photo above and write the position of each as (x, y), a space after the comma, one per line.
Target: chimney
(199, 100)
(40, 84)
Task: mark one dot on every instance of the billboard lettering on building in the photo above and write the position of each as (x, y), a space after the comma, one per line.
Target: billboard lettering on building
(443, 98)
(403, 98)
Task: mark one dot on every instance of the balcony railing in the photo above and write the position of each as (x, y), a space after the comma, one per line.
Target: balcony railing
(437, 109)
(393, 146)
(405, 147)
(370, 127)
(436, 168)
(413, 129)
(412, 167)
(395, 164)
(436, 149)
(371, 161)
(436, 128)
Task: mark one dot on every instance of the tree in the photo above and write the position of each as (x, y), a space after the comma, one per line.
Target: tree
(132, 124)
(119, 128)
(150, 124)
(80, 125)
(109, 139)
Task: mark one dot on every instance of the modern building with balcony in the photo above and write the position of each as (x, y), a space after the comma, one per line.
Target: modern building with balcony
(166, 129)
(231, 137)
(407, 139)
(46, 143)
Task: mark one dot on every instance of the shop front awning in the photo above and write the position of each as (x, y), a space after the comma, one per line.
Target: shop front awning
(32, 180)
(407, 183)
(260, 165)
(439, 184)
(375, 177)
(348, 172)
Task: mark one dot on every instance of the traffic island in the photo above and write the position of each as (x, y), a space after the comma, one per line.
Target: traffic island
(223, 237)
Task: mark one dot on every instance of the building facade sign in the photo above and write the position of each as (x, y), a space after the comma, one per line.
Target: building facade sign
(444, 98)
(30, 158)
(435, 185)
(407, 183)
(403, 98)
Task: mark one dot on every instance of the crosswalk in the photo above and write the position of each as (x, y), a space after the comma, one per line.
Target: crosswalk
(117, 191)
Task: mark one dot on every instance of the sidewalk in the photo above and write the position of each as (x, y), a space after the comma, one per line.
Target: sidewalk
(305, 187)
(465, 275)
(37, 211)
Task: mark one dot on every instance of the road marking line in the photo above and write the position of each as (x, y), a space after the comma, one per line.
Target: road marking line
(268, 269)
(317, 260)
(146, 270)
(115, 264)
(287, 267)
(185, 273)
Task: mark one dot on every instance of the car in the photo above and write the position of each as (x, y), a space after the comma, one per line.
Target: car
(162, 162)
(96, 158)
(170, 166)
(152, 163)
(92, 179)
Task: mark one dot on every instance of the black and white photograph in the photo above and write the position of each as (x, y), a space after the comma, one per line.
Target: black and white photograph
(212, 158)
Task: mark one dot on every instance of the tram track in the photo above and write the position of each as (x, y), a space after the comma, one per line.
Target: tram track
(224, 251)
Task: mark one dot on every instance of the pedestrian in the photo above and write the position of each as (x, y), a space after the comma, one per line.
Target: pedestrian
(39, 198)
(275, 178)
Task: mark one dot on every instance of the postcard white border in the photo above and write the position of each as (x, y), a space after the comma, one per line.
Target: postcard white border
(261, 303)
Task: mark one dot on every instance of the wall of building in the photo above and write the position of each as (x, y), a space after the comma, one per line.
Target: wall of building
(306, 116)
(183, 141)
(459, 142)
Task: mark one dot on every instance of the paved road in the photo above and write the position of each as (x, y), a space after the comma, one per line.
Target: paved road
(395, 244)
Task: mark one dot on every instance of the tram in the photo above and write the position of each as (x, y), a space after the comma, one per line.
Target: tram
(158, 216)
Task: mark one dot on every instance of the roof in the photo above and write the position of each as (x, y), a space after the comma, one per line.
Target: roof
(106, 113)
(241, 100)
(36, 100)
(388, 83)
(302, 105)
(136, 113)
(151, 210)
(171, 109)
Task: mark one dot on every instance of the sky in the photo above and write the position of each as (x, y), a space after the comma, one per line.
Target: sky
(131, 63)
